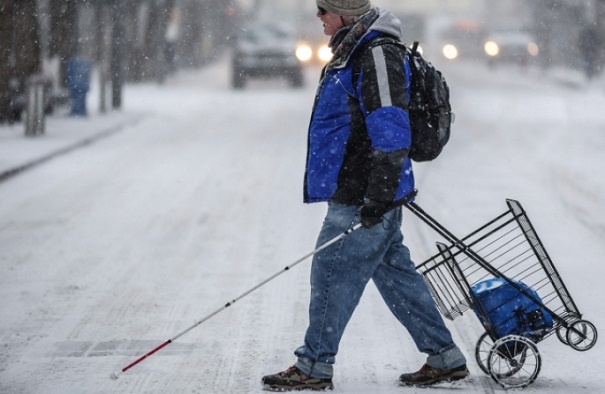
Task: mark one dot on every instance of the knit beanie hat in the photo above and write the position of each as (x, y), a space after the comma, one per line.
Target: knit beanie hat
(345, 7)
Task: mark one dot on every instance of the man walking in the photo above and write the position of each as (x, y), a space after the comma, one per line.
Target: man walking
(357, 162)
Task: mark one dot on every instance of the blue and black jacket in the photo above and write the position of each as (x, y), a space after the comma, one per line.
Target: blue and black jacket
(359, 134)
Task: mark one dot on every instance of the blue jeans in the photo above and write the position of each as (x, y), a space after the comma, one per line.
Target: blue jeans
(339, 275)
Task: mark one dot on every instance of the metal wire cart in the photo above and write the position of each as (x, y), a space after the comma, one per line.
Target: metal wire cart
(502, 272)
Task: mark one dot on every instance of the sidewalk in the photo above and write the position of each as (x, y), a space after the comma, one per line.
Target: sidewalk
(63, 134)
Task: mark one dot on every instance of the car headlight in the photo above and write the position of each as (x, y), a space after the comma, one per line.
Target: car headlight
(491, 48)
(304, 53)
(324, 53)
(533, 49)
(450, 51)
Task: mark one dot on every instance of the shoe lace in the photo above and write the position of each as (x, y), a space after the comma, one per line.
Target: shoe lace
(290, 371)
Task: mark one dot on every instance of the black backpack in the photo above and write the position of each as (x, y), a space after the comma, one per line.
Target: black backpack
(429, 108)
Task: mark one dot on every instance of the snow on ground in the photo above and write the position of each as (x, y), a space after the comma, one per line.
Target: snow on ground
(194, 197)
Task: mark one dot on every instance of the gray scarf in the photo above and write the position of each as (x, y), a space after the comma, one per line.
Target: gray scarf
(346, 39)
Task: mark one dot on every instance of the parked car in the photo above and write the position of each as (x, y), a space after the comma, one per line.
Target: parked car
(265, 51)
(512, 46)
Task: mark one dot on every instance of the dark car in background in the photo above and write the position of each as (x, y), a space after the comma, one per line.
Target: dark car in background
(313, 49)
(268, 51)
(462, 39)
(516, 46)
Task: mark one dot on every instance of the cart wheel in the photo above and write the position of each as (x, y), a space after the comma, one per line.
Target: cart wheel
(562, 334)
(516, 364)
(514, 361)
(582, 335)
(484, 345)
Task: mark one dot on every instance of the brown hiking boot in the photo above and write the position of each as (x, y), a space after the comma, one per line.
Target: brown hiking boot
(429, 375)
(293, 379)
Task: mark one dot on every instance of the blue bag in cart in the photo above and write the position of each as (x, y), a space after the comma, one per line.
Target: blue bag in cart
(507, 310)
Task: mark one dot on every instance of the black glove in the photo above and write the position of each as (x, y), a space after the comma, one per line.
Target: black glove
(372, 211)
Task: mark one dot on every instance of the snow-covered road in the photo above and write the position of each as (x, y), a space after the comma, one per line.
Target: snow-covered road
(112, 249)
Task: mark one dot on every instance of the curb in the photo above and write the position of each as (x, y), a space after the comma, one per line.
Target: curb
(12, 172)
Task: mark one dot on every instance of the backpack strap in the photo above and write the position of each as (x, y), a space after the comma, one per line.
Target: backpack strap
(414, 49)
(360, 53)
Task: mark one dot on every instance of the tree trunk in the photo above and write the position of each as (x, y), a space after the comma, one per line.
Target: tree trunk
(118, 45)
(6, 35)
(63, 39)
(155, 39)
(191, 38)
(601, 32)
(19, 50)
